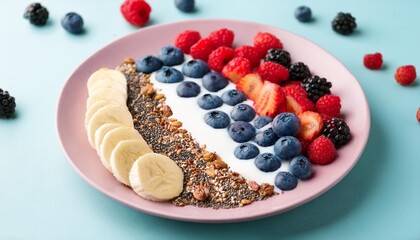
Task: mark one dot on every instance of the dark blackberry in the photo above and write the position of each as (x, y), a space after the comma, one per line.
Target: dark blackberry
(7, 104)
(279, 56)
(316, 87)
(299, 71)
(344, 23)
(37, 14)
(338, 131)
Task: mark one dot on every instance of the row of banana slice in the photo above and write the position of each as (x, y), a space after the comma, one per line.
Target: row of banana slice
(121, 148)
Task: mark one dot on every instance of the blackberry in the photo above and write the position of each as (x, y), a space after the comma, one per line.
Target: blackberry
(316, 87)
(299, 71)
(344, 23)
(37, 14)
(279, 56)
(7, 104)
(338, 131)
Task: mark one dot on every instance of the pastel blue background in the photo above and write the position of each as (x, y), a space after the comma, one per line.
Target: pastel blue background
(42, 196)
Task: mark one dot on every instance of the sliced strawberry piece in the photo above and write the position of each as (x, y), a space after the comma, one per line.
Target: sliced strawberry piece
(271, 100)
(236, 68)
(311, 125)
(250, 85)
(297, 100)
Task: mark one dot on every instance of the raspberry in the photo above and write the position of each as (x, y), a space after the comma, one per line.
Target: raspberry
(325, 118)
(202, 49)
(222, 37)
(220, 57)
(373, 61)
(304, 144)
(418, 115)
(186, 39)
(264, 41)
(405, 75)
(136, 12)
(329, 105)
(321, 151)
(236, 68)
(250, 53)
(273, 72)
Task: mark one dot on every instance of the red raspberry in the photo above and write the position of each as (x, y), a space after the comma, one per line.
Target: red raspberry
(222, 37)
(236, 68)
(264, 41)
(325, 118)
(373, 61)
(329, 105)
(250, 53)
(418, 115)
(273, 72)
(202, 49)
(405, 75)
(186, 39)
(304, 144)
(136, 12)
(220, 57)
(321, 151)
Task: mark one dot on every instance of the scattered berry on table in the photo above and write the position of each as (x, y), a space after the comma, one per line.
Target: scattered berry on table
(217, 119)
(214, 81)
(169, 75)
(267, 162)
(236, 68)
(287, 147)
(242, 112)
(344, 23)
(202, 49)
(286, 124)
(311, 125)
(136, 12)
(316, 87)
(250, 85)
(418, 115)
(264, 41)
(188, 89)
(285, 181)
(303, 14)
(405, 75)
(186, 39)
(245, 151)
(241, 131)
(7, 104)
(373, 61)
(262, 121)
(321, 151)
(222, 37)
(171, 55)
(209, 101)
(279, 56)
(297, 99)
(36, 14)
(233, 97)
(273, 72)
(249, 52)
(337, 130)
(329, 105)
(185, 5)
(220, 57)
(299, 71)
(266, 138)
(72, 23)
(148, 64)
(271, 100)
(195, 68)
(300, 167)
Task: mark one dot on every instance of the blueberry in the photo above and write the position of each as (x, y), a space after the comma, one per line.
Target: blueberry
(261, 121)
(233, 97)
(267, 162)
(300, 167)
(171, 55)
(266, 138)
(195, 68)
(246, 151)
(303, 14)
(242, 112)
(188, 89)
(72, 23)
(169, 75)
(214, 81)
(217, 119)
(287, 147)
(285, 181)
(185, 5)
(209, 101)
(286, 124)
(148, 64)
(241, 131)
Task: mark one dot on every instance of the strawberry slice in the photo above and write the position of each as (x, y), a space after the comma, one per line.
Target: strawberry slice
(297, 100)
(271, 100)
(250, 85)
(311, 125)
(236, 68)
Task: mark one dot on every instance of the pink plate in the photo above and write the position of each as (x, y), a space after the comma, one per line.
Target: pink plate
(72, 134)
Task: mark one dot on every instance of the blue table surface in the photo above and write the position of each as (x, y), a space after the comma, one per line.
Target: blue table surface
(42, 196)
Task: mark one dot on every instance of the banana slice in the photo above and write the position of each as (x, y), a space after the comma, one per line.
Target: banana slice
(108, 114)
(156, 177)
(108, 83)
(112, 138)
(98, 105)
(123, 157)
(101, 94)
(105, 73)
(102, 130)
